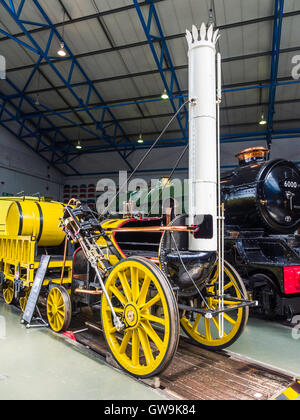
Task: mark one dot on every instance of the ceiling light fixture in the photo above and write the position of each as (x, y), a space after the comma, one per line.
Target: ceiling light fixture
(263, 120)
(140, 139)
(79, 145)
(165, 95)
(62, 52)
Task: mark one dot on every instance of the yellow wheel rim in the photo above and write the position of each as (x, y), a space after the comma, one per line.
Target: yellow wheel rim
(206, 332)
(9, 292)
(58, 309)
(23, 300)
(139, 300)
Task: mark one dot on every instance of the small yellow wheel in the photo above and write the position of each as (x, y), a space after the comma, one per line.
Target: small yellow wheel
(59, 309)
(9, 292)
(206, 332)
(144, 300)
(23, 300)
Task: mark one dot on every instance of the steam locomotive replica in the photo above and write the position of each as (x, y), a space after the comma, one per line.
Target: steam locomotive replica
(262, 203)
(152, 275)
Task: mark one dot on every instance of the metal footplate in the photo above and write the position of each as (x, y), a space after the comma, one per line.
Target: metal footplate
(31, 306)
(207, 313)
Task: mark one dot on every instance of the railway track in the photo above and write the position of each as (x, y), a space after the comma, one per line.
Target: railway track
(195, 373)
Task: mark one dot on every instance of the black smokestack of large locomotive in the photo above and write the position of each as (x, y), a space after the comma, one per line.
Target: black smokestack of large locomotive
(262, 194)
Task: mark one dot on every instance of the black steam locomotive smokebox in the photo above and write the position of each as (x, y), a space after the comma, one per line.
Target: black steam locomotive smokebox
(263, 195)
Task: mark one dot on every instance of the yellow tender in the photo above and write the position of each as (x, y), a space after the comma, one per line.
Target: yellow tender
(28, 228)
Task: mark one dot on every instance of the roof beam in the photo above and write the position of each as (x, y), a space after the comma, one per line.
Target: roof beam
(153, 98)
(82, 19)
(169, 77)
(32, 133)
(227, 138)
(277, 30)
(143, 3)
(145, 43)
(43, 53)
(159, 116)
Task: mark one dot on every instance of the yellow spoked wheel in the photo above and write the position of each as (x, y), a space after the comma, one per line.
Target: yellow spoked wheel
(143, 298)
(59, 309)
(9, 292)
(206, 332)
(23, 300)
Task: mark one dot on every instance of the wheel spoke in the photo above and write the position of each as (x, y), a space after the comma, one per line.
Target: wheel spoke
(207, 329)
(118, 295)
(217, 324)
(229, 319)
(125, 285)
(135, 348)
(197, 321)
(151, 302)
(153, 318)
(152, 334)
(146, 346)
(125, 342)
(144, 291)
(228, 286)
(60, 317)
(134, 283)
(117, 310)
(226, 302)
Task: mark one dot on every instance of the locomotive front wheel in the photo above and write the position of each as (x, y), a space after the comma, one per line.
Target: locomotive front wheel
(206, 332)
(143, 298)
(23, 300)
(9, 292)
(59, 309)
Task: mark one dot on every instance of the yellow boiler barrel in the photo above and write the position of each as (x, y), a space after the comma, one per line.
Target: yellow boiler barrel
(4, 207)
(38, 219)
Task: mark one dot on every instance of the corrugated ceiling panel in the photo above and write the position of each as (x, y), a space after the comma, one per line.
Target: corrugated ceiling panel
(231, 11)
(79, 8)
(291, 5)
(125, 27)
(176, 16)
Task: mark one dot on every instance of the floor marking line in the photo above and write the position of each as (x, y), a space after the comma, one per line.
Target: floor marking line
(290, 394)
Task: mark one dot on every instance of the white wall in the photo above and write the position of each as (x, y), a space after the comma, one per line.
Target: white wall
(23, 170)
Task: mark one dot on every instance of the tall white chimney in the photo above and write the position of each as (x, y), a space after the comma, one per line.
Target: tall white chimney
(203, 132)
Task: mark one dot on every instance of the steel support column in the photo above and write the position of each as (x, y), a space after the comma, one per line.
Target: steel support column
(278, 17)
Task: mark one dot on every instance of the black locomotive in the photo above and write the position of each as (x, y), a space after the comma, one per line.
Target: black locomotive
(262, 202)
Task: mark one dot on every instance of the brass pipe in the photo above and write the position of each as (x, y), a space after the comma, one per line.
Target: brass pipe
(88, 292)
(154, 229)
(153, 259)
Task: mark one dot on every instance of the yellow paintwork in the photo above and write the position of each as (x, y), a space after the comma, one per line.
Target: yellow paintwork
(4, 206)
(108, 226)
(8, 293)
(5, 203)
(56, 309)
(200, 329)
(18, 253)
(23, 300)
(31, 224)
(134, 301)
